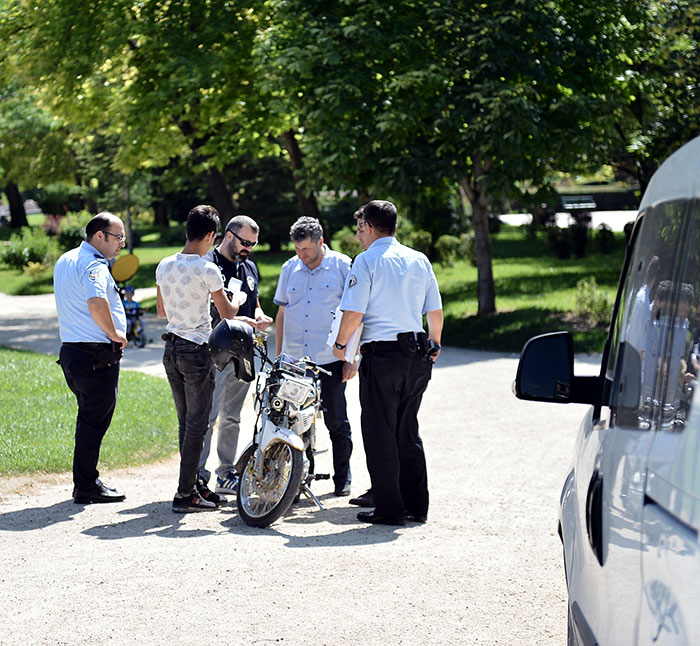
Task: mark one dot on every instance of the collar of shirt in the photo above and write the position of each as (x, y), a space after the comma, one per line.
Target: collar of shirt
(86, 246)
(384, 241)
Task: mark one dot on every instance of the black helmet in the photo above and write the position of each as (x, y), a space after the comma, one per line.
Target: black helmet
(233, 340)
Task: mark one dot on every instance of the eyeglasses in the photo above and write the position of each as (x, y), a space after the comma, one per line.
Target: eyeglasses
(361, 224)
(246, 243)
(120, 236)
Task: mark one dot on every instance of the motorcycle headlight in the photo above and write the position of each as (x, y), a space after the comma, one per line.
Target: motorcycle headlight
(294, 391)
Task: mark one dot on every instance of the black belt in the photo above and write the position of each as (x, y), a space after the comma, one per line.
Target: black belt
(88, 346)
(371, 346)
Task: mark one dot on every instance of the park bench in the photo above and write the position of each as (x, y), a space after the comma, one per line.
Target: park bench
(572, 203)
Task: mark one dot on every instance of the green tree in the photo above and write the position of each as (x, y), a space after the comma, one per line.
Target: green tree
(169, 79)
(33, 147)
(406, 94)
(658, 106)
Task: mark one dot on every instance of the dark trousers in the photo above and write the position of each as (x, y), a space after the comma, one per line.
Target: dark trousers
(391, 388)
(190, 373)
(335, 416)
(95, 388)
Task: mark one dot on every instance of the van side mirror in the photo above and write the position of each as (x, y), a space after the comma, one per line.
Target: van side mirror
(546, 372)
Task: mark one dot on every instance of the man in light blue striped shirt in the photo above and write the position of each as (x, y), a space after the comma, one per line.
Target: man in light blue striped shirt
(308, 293)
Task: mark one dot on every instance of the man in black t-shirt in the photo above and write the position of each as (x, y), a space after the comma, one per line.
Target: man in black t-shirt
(241, 278)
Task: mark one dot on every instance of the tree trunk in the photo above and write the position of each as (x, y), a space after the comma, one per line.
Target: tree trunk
(18, 216)
(475, 191)
(307, 201)
(221, 195)
(217, 184)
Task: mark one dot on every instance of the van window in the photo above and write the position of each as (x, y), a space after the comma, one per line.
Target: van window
(650, 356)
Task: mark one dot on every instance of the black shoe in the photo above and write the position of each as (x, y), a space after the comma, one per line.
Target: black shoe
(193, 502)
(365, 500)
(417, 518)
(377, 519)
(99, 493)
(207, 493)
(342, 491)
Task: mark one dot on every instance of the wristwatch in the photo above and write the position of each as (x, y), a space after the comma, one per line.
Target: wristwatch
(339, 346)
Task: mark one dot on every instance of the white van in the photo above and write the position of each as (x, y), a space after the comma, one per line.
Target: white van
(630, 505)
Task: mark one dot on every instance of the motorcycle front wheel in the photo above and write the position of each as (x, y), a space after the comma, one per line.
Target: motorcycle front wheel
(261, 501)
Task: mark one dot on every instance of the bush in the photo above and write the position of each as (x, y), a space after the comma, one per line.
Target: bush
(29, 246)
(72, 231)
(592, 302)
(605, 239)
(346, 242)
(446, 248)
(420, 240)
(467, 247)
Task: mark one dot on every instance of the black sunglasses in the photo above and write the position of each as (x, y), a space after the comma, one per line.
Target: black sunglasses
(246, 243)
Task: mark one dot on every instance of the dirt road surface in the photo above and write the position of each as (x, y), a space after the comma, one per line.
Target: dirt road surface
(485, 568)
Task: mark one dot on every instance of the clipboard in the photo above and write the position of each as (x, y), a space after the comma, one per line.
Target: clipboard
(353, 344)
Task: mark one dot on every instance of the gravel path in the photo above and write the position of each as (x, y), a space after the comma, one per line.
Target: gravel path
(485, 568)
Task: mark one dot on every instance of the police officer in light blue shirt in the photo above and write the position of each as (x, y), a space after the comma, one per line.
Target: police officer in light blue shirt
(92, 326)
(308, 293)
(390, 288)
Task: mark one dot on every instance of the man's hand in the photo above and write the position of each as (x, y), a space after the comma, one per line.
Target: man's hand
(262, 321)
(350, 370)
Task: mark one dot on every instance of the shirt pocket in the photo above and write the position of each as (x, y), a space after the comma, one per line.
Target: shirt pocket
(297, 288)
(330, 285)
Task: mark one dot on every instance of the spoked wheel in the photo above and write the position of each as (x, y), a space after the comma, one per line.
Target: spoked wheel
(261, 501)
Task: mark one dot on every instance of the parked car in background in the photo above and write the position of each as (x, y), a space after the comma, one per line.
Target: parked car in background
(630, 505)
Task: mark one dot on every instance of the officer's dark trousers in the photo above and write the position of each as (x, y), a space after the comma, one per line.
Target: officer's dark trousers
(391, 388)
(96, 392)
(335, 416)
(190, 371)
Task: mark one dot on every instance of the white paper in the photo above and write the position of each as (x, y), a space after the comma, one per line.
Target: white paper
(353, 344)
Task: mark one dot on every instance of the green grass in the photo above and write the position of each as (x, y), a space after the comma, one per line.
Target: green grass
(38, 418)
(535, 291)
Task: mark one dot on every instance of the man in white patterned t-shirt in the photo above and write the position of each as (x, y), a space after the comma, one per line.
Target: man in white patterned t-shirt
(184, 284)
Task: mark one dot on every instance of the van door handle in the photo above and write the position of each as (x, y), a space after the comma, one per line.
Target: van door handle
(594, 515)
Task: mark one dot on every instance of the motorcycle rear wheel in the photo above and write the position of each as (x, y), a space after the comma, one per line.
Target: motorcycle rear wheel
(262, 501)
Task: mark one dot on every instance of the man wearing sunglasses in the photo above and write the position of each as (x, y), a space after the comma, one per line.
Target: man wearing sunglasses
(92, 326)
(241, 280)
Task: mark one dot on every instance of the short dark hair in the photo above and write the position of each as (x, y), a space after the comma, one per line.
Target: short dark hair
(101, 222)
(381, 214)
(306, 227)
(202, 219)
(239, 221)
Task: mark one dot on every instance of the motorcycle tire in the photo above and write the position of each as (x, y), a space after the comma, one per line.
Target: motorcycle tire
(262, 501)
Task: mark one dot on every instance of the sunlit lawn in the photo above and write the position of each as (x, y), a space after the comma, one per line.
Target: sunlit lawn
(37, 425)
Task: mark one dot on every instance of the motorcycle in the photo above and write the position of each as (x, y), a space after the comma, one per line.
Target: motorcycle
(277, 466)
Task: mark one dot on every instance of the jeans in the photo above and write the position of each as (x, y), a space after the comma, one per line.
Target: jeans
(96, 392)
(229, 397)
(335, 416)
(190, 372)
